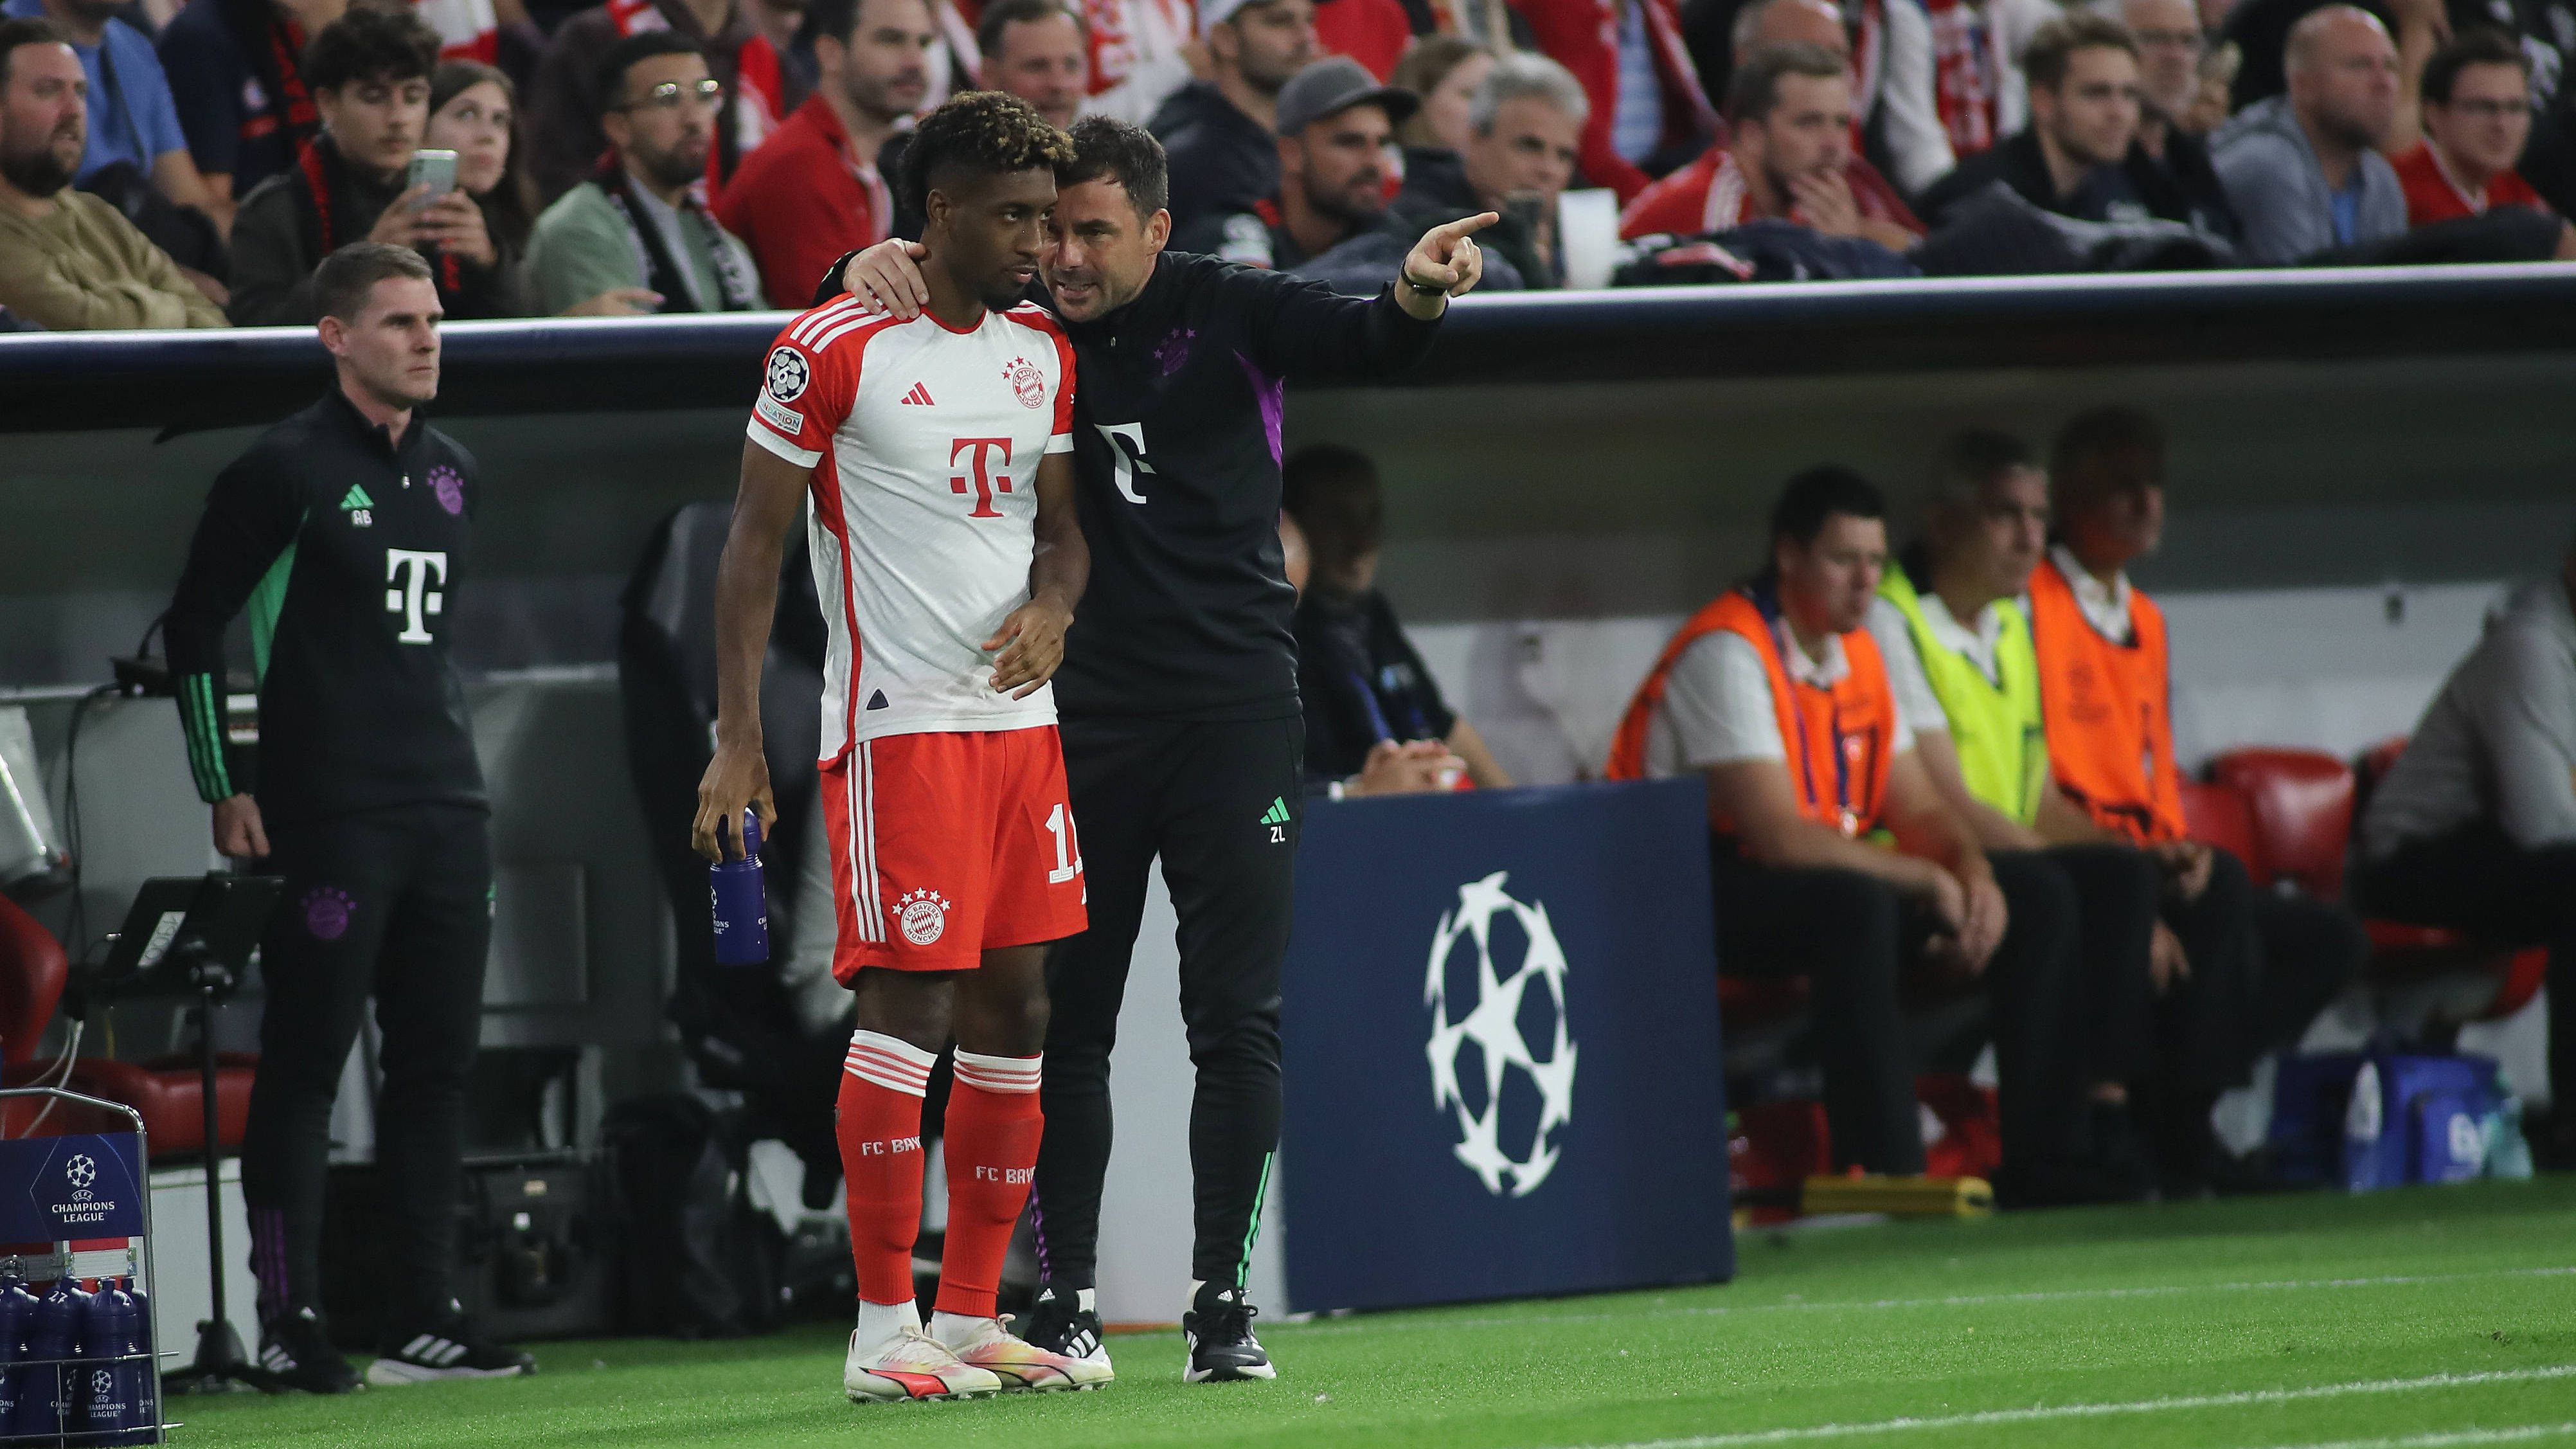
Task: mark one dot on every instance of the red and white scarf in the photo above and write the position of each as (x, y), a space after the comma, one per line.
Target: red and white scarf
(1968, 67)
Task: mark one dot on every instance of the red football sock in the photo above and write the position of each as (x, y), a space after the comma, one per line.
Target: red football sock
(880, 1129)
(992, 1147)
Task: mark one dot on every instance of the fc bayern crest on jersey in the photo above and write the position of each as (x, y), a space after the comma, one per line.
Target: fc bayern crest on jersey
(1027, 381)
(788, 374)
(923, 915)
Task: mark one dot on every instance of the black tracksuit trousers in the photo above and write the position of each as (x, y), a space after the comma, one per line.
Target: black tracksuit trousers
(398, 903)
(1219, 802)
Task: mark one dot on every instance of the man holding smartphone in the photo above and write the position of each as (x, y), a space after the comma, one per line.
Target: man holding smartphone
(365, 179)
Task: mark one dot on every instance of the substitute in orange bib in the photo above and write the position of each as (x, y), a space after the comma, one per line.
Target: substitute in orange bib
(938, 456)
(2254, 966)
(1778, 695)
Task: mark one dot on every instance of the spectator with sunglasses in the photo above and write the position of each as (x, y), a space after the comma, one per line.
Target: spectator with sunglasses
(634, 239)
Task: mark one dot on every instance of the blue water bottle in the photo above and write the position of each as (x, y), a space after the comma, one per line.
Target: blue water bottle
(53, 1342)
(740, 902)
(17, 1320)
(114, 1405)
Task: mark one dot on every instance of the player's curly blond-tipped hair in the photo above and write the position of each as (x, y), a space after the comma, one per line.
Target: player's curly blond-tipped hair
(980, 131)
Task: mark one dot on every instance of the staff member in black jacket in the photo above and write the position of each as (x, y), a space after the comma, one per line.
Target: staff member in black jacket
(1182, 733)
(344, 529)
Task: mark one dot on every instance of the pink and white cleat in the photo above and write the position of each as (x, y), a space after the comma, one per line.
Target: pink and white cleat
(912, 1365)
(1023, 1367)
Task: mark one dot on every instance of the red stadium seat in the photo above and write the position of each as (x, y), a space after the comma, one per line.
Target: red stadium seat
(2301, 802)
(169, 1093)
(2220, 815)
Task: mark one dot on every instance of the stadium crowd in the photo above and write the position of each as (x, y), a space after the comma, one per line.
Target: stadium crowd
(168, 163)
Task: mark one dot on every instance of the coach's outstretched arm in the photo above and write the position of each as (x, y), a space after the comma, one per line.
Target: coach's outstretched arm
(1031, 640)
(1304, 330)
(746, 600)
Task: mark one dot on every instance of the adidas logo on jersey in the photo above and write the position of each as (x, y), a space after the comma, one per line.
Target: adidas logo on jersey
(918, 397)
(359, 507)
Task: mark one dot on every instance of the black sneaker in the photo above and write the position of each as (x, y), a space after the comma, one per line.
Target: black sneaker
(1218, 1329)
(451, 1348)
(295, 1352)
(1059, 1323)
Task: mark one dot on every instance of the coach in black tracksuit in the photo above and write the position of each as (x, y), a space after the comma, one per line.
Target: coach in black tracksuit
(1178, 696)
(344, 531)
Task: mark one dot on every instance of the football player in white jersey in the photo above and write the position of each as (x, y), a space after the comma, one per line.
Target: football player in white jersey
(937, 454)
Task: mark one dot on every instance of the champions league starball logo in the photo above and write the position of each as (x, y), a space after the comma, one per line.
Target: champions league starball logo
(80, 1171)
(1509, 992)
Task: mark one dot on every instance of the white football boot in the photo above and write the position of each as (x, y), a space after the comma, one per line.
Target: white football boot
(985, 1343)
(911, 1365)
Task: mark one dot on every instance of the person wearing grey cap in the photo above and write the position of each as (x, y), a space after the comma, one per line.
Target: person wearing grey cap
(1336, 131)
(1219, 133)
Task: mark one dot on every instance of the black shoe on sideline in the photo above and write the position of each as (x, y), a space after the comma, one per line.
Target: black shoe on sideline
(1059, 1323)
(295, 1352)
(2118, 1152)
(1218, 1329)
(451, 1348)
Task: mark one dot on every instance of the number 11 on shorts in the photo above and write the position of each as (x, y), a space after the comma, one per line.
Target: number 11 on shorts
(1068, 847)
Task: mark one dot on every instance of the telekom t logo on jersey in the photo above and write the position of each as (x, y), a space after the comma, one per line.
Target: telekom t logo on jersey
(411, 573)
(985, 481)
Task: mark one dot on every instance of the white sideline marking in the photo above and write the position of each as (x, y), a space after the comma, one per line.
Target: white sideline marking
(2038, 1413)
(2518, 1434)
(1957, 1300)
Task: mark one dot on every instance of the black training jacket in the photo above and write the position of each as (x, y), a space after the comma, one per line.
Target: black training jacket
(348, 547)
(1177, 402)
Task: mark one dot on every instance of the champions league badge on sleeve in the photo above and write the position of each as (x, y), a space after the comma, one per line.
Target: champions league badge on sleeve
(788, 374)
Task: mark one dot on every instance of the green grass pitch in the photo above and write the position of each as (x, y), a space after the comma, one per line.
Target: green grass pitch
(2408, 1320)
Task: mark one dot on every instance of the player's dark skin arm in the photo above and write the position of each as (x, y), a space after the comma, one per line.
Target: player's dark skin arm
(764, 507)
(1031, 640)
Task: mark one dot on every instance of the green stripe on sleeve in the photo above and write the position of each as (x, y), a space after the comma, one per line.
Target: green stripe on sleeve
(201, 720)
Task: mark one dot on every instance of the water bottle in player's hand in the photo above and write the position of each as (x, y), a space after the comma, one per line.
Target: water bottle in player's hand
(740, 901)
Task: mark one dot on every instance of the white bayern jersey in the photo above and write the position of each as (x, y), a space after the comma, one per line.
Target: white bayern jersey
(924, 444)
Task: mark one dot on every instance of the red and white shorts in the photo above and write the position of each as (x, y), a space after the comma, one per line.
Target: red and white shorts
(945, 846)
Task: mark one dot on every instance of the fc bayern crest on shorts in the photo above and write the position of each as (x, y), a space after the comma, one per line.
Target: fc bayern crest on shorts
(1027, 381)
(923, 915)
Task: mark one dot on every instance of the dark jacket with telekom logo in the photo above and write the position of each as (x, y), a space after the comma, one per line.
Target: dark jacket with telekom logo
(1177, 404)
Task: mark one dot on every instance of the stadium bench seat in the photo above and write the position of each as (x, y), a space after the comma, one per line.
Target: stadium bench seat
(168, 1092)
(2290, 815)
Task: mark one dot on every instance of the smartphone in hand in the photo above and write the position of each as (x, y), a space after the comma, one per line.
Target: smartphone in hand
(433, 169)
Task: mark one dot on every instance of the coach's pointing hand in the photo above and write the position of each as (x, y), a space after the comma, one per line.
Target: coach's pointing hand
(885, 278)
(1032, 645)
(1446, 263)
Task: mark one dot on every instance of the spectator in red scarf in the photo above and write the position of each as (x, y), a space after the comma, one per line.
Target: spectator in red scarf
(563, 98)
(236, 76)
(1648, 114)
(818, 191)
(1963, 70)
(2477, 118)
(1789, 155)
(635, 239)
(370, 73)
